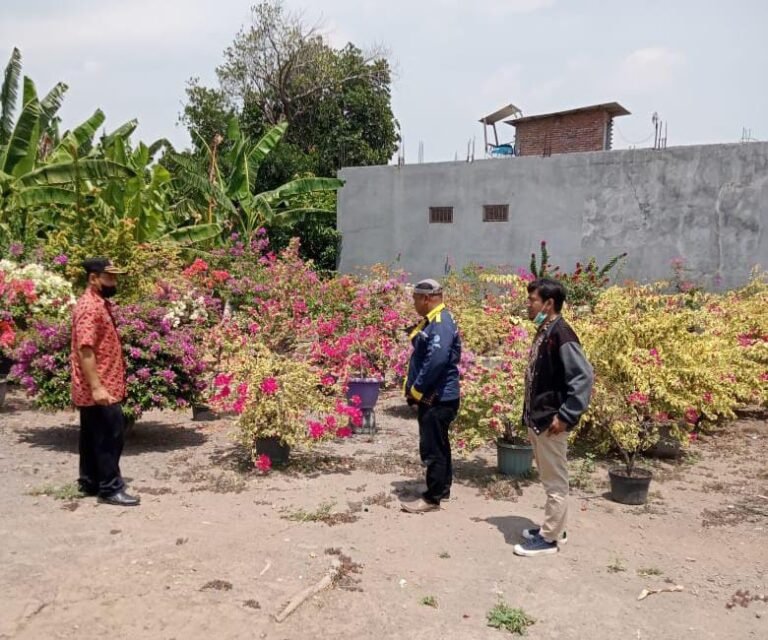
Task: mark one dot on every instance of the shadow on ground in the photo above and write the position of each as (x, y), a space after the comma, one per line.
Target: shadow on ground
(144, 437)
(511, 526)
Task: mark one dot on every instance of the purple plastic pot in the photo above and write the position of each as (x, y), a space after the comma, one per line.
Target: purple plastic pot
(367, 389)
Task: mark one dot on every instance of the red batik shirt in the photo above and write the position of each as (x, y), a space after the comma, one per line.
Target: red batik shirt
(93, 326)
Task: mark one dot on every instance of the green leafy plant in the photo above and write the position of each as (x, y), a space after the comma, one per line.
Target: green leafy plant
(516, 621)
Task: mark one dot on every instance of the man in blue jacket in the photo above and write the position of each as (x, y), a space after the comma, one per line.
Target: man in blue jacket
(433, 383)
(558, 387)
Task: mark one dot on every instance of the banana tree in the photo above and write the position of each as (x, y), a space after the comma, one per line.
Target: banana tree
(35, 178)
(224, 185)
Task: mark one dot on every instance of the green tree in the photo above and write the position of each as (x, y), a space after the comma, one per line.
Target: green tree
(217, 185)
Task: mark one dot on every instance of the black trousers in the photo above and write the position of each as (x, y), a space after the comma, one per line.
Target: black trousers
(435, 448)
(101, 444)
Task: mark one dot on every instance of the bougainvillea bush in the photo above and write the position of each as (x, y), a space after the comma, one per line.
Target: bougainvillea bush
(163, 367)
(274, 396)
(29, 293)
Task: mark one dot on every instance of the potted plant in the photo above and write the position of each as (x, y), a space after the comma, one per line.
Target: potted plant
(514, 452)
(629, 427)
(491, 407)
(279, 403)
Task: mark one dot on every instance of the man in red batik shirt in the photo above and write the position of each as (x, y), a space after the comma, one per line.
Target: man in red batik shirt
(98, 386)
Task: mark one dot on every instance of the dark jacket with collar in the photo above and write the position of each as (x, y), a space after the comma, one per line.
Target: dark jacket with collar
(562, 380)
(433, 370)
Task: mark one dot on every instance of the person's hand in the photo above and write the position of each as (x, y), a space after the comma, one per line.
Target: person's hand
(557, 427)
(101, 397)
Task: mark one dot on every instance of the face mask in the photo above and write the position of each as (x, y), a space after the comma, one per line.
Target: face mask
(540, 318)
(107, 292)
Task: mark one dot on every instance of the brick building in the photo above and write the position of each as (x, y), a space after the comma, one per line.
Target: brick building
(572, 131)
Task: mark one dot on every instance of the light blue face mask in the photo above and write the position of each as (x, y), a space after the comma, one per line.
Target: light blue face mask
(540, 318)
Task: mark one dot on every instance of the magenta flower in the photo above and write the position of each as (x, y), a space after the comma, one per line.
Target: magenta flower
(316, 430)
(637, 398)
(222, 380)
(343, 432)
(61, 259)
(269, 386)
(264, 463)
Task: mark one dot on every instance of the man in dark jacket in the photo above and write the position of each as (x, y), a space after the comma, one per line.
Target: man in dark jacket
(558, 387)
(433, 383)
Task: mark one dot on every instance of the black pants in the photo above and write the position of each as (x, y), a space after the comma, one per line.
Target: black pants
(101, 443)
(435, 448)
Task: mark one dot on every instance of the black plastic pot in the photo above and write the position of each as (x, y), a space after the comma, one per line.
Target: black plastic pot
(278, 451)
(630, 489)
(201, 413)
(5, 366)
(3, 390)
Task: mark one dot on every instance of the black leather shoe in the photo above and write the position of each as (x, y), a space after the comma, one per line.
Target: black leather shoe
(120, 499)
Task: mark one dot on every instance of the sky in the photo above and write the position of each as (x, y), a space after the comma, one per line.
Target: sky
(701, 65)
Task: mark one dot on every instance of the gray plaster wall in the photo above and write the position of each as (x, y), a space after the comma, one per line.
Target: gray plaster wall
(707, 204)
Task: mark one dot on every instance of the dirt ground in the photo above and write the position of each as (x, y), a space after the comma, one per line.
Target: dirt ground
(215, 550)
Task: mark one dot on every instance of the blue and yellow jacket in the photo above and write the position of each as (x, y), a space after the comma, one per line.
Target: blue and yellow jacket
(433, 371)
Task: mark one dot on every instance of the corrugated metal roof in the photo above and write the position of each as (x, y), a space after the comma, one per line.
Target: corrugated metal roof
(613, 108)
(505, 112)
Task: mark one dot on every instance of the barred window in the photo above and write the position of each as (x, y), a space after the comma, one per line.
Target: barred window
(441, 215)
(496, 213)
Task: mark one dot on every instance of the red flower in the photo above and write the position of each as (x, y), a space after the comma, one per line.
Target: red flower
(692, 416)
(197, 267)
(264, 463)
(343, 432)
(220, 276)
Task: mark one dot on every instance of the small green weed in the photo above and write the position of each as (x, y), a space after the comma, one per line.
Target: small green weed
(502, 616)
(649, 571)
(429, 601)
(68, 491)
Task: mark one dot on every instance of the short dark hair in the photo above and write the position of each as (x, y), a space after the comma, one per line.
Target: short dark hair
(549, 289)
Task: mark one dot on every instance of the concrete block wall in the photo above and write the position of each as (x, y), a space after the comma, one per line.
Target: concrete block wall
(707, 204)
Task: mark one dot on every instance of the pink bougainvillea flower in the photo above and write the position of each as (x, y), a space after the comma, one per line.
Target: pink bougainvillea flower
(269, 386)
(638, 398)
(264, 463)
(343, 432)
(692, 416)
(355, 400)
(316, 429)
(693, 437)
(222, 380)
(708, 397)
(327, 380)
